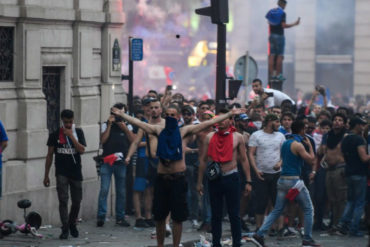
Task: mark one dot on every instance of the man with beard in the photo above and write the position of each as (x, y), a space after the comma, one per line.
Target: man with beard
(270, 97)
(225, 147)
(170, 185)
(264, 155)
(333, 160)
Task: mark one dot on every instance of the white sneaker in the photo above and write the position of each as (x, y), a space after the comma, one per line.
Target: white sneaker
(195, 224)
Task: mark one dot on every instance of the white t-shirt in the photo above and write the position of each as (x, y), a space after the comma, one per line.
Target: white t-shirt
(267, 149)
(277, 98)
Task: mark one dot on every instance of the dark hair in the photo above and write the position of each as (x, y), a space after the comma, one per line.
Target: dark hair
(173, 106)
(223, 111)
(325, 123)
(324, 113)
(260, 106)
(210, 102)
(120, 106)
(203, 103)
(297, 126)
(257, 80)
(341, 116)
(68, 114)
(342, 108)
(288, 114)
(153, 91)
(237, 105)
(311, 119)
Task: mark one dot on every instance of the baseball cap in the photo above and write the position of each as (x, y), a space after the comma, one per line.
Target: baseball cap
(147, 100)
(356, 120)
(241, 117)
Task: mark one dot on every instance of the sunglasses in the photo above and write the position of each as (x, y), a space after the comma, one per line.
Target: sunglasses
(171, 115)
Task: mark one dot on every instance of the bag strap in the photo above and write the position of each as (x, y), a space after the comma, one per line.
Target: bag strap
(148, 145)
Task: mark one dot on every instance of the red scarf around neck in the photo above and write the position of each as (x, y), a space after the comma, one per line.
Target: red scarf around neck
(220, 147)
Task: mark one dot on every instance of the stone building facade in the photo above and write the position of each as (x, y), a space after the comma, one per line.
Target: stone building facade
(61, 58)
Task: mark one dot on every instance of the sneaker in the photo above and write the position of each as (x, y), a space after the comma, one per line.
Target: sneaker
(310, 243)
(73, 230)
(122, 223)
(100, 223)
(258, 240)
(286, 233)
(141, 223)
(195, 224)
(150, 222)
(64, 234)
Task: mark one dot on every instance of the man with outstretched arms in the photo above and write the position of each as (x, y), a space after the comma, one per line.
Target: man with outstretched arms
(170, 186)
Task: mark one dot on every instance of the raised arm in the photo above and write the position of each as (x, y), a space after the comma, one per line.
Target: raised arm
(193, 129)
(148, 128)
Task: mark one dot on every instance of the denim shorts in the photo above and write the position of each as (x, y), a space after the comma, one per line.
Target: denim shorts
(277, 44)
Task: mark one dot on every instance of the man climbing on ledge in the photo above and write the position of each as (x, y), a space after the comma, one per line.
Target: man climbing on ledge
(276, 18)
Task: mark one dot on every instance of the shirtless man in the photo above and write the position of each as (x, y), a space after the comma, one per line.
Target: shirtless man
(225, 147)
(170, 186)
(153, 111)
(336, 186)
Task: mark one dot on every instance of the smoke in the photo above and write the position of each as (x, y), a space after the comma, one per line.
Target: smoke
(171, 30)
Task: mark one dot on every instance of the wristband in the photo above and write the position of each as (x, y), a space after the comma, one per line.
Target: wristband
(314, 172)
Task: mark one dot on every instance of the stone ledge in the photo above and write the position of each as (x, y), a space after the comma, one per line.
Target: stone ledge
(9, 11)
(38, 12)
(90, 16)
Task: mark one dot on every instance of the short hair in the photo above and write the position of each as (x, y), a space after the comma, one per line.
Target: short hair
(153, 91)
(257, 80)
(173, 106)
(339, 115)
(224, 111)
(120, 106)
(68, 114)
(210, 102)
(260, 106)
(325, 122)
(311, 119)
(297, 126)
(288, 114)
(202, 103)
(324, 113)
(237, 105)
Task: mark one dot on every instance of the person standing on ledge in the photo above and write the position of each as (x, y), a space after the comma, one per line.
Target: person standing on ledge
(276, 18)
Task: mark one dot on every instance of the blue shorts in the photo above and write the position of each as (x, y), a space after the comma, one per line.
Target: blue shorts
(141, 181)
(277, 44)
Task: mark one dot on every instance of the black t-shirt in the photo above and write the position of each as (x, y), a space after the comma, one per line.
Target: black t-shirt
(354, 165)
(278, 29)
(117, 142)
(64, 163)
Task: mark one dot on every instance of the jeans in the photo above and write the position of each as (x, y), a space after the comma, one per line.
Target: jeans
(206, 204)
(106, 171)
(356, 198)
(227, 187)
(192, 194)
(63, 184)
(304, 200)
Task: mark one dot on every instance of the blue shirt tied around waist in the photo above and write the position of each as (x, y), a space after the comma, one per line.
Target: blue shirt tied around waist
(292, 164)
(169, 142)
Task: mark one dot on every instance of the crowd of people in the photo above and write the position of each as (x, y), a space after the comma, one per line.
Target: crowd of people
(273, 167)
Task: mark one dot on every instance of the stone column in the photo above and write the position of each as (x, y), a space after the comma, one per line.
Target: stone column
(111, 87)
(305, 53)
(362, 48)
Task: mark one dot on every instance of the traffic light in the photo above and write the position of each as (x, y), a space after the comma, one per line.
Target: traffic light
(218, 11)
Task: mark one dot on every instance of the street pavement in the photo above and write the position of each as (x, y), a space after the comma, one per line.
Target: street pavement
(114, 236)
